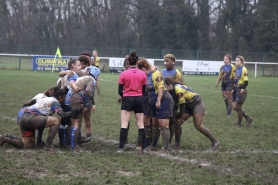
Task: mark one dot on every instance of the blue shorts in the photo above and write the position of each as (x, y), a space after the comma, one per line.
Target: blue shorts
(227, 86)
(166, 108)
(239, 98)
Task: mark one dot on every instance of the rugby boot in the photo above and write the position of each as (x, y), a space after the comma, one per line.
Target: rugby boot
(249, 121)
(215, 144)
(84, 140)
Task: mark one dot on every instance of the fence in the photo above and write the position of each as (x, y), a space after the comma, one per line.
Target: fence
(24, 62)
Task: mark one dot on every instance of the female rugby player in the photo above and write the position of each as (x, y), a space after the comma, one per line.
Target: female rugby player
(191, 104)
(78, 97)
(170, 70)
(37, 117)
(161, 103)
(227, 74)
(240, 91)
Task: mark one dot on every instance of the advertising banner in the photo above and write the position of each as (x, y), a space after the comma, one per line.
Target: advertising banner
(45, 63)
(199, 67)
(116, 65)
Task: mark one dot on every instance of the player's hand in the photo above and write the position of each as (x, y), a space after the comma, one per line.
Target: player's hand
(158, 104)
(120, 100)
(94, 108)
(216, 85)
(242, 91)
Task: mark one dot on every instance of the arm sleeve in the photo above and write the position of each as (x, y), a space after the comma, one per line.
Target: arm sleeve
(63, 114)
(245, 84)
(120, 89)
(143, 89)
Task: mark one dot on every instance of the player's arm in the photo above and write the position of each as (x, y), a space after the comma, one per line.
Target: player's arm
(29, 103)
(219, 77)
(182, 108)
(120, 90)
(66, 72)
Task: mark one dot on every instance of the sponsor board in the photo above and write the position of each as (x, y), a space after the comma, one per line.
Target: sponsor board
(199, 67)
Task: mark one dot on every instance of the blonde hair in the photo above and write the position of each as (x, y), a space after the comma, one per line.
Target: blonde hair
(170, 56)
(142, 62)
(241, 58)
(229, 57)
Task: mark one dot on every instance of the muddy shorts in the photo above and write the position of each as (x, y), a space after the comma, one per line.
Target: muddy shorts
(29, 122)
(195, 107)
(73, 107)
(227, 86)
(239, 98)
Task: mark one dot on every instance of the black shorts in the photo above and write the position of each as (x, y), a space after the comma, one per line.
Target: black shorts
(29, 122)
(133, 103)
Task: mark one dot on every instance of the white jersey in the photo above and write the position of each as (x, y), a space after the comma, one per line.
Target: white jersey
(45, 106)
(39, 96)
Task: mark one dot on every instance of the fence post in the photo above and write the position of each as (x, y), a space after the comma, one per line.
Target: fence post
(263, 64)
(255, 69)
(197, 55)
(163, 53)
(19, 59)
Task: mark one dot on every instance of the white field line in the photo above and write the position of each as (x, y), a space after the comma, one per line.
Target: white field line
(261, 96)
(115, 142)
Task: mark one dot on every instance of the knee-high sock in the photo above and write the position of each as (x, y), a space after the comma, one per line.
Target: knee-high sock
(227, 106)
(40, 132)
(68, 135)
(74, 137)
(230, 108)
(79, 135)
(148, 132)
(123, 137)
(178, 132)
(139, 139)
(171, 129)
(126, 141)
(245, 115)
(61, 134)
(165, 137)
(143, 137)
(52, 133)
(239, 116)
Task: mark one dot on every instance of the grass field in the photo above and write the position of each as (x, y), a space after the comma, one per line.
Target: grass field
(245, 156)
